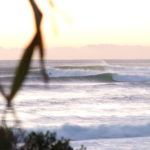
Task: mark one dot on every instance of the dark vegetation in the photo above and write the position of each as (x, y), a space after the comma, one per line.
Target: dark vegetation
(16, 139)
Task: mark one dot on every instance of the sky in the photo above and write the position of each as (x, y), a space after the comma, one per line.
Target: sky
(93, 22)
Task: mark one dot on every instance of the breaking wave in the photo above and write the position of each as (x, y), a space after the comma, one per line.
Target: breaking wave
(74, 132)
(102, 73)
(103, 77)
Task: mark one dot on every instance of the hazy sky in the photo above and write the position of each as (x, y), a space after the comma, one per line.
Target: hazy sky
(119, 22)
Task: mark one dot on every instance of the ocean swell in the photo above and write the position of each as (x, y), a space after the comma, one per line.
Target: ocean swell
(131, 78)
(82, 73)
(103, 77)
(74, 132)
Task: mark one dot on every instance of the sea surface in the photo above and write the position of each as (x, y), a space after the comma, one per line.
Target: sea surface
(101, 104)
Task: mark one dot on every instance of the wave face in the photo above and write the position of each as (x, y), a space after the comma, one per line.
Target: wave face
(105, 77)
(74, 76)
(130, 78)
(102, 73)
(103, 131)
(97, 72)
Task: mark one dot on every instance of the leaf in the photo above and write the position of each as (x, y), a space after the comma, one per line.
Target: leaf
(37, 14)
(24, 64)
(53, 19)
(38, 17)
(3, 92)
(55, 30)
(66, 17)
(51, 4)
(22, 70)
(63, 14)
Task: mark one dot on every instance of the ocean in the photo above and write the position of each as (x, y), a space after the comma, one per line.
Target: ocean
(101, 104)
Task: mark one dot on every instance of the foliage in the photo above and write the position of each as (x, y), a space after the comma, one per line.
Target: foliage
(7, 139)
(47, 141)
(11, 138)
(25, 61)
(35, 44)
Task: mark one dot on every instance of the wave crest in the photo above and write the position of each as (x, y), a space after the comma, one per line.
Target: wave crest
(99, 132)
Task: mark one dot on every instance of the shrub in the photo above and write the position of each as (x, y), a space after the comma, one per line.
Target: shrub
(7, 139)
(47, 141)
(10, 139)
